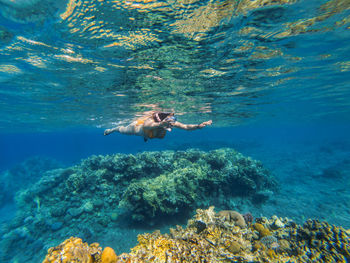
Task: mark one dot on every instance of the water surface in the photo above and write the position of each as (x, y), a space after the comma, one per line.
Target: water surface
(94, 63)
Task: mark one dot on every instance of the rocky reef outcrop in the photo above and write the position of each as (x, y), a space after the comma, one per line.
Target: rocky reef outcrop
(95, 195)
(211, 237)
(147, 185)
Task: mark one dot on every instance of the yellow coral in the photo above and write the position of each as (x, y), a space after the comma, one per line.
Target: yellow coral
(213, 234)
(271, 253)
(161, 246)
(73, 250)
(108, 256)
(263, 231)
(158, 244)
(234, 247)
(219, 243)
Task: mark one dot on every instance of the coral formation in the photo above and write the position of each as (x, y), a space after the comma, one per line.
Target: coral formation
(233, 216)
(148, 184)
(73, 250)
(263, 231)
(108, 256)
(194, 174)
(88, 198)
(248, 218)
(269, 242)
(221, 241)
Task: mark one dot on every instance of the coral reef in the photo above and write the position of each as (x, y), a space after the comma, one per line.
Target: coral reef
(263, 231)
(148, 184)
(248, 218)
(109, 256)
(193, 175)
(73, 250)
(99, 193)
(233, 216)
(219, 240)
(23, 175)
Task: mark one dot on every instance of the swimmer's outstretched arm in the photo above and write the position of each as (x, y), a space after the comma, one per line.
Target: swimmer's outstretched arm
(191, 127)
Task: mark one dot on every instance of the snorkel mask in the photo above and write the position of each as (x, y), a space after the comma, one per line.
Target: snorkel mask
(170, 119)
(164, 116)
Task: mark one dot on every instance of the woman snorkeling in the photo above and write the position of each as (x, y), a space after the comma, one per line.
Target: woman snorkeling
(155, 125)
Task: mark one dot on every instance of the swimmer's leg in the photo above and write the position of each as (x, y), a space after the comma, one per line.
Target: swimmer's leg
(129, 130)
(109, 131)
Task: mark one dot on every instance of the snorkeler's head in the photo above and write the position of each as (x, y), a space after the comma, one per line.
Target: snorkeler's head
(164, 116)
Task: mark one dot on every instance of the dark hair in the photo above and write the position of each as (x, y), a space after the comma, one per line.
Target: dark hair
(161, 115)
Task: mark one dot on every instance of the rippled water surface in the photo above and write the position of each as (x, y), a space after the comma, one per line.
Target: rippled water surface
(81, 62)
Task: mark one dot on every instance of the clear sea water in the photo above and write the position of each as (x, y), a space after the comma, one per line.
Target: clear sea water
(274, 76)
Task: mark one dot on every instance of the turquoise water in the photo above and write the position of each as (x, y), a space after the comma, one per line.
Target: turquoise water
(274, 76)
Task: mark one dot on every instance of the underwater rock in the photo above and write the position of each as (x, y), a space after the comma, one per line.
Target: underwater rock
(114, 217)
(219, 242)
(277, 223)
(56, 226)
(58, 211)
(5, 35)
(88, 207)
(75, 212)
(332, 172)
(97, 203)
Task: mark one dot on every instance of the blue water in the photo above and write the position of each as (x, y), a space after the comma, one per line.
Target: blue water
(69, 147)
(274, 76)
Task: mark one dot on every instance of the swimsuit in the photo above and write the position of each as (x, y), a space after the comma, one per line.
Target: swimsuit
(149, 133)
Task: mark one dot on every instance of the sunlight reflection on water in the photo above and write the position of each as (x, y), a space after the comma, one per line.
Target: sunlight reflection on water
(97, 62)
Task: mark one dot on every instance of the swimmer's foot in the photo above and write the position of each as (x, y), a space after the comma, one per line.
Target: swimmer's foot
(203, 124)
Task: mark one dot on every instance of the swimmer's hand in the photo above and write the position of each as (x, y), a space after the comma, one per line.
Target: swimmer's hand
(165, 124)
(106, 132)
(203, 124)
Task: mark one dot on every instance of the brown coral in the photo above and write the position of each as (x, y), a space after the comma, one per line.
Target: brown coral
(263, 231)
(233, 216)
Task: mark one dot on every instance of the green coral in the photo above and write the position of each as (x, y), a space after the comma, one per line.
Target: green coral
(164, 193)
(101, 191)
(195, 174)
(150, 184)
